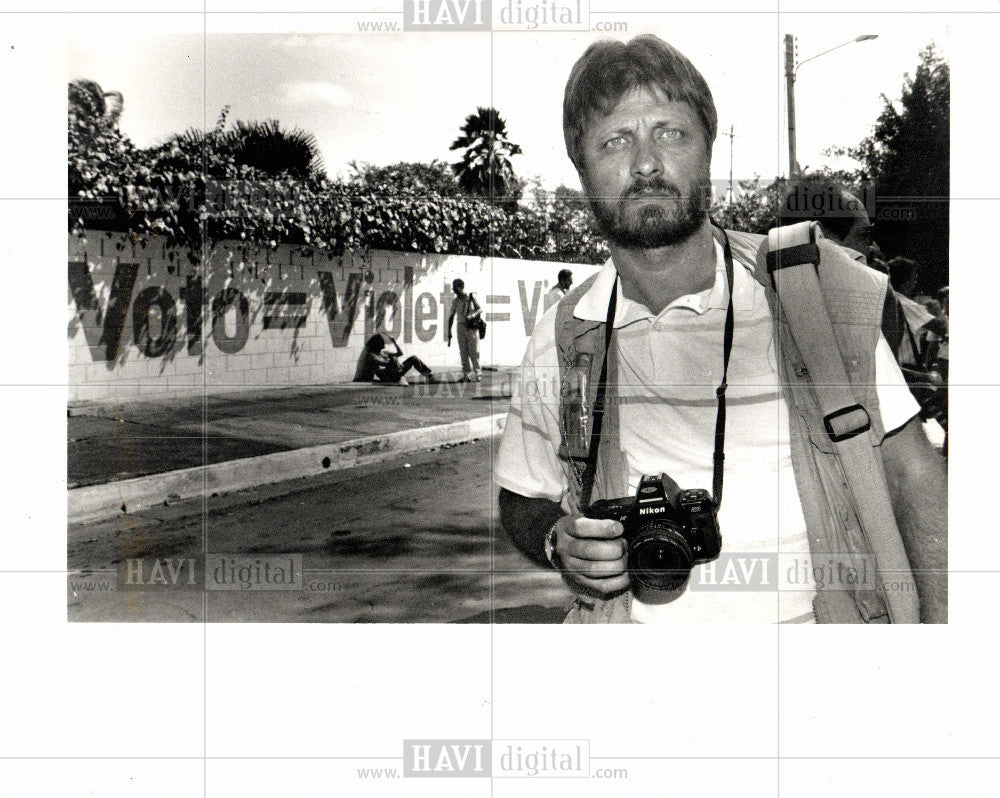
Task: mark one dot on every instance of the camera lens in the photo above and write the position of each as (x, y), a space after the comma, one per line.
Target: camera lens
(660, 559)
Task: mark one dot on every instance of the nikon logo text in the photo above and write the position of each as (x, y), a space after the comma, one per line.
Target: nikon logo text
(650, 510)
(446, 758)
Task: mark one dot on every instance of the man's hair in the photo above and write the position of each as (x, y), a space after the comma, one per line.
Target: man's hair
(564, 273)
(821, 200)
(900, 270)
(610, 69)
(457, 284)
(375, 343)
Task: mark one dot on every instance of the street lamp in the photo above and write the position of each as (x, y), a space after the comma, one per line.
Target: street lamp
(791, 69)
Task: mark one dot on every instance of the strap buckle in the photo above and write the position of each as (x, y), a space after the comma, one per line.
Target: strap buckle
(782, 257)
(846, 434)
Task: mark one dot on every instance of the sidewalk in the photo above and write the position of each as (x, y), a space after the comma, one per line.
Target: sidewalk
(109, 443)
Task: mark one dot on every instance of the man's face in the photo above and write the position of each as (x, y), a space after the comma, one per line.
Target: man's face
(646, 171)
(859, 238)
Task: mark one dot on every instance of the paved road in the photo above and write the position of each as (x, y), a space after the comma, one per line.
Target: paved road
(109, 442)
(413, 540)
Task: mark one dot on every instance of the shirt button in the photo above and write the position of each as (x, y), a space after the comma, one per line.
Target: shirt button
(657, 326)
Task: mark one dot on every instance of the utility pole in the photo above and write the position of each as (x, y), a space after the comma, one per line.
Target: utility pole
(793, 166)
(732, 135)
(790, 69)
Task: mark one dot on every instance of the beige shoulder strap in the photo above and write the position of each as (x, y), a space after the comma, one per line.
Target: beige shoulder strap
(792, 257)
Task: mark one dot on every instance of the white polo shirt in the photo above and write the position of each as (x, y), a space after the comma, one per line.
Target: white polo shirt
(670, 365)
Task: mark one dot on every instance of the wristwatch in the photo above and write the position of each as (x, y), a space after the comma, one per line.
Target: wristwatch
(550, 548)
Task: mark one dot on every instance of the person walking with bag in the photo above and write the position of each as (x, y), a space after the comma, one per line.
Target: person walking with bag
(470, 318)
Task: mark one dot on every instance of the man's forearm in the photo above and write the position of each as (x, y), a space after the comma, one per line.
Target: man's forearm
(526, 521)
(924, 527)
(918, 485)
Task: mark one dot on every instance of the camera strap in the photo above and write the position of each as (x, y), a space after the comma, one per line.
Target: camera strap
(590, 469)
(718, 456)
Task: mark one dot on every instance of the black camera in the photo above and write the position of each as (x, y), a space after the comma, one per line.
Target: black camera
(668, 531)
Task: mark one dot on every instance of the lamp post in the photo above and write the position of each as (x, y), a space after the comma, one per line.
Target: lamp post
(791, 69)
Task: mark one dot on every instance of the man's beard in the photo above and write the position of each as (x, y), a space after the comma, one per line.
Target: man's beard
(657, 224)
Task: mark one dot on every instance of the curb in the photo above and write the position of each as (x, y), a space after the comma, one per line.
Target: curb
(96, 502)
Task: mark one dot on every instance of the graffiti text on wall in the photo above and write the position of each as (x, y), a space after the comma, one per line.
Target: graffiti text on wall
(154, 312)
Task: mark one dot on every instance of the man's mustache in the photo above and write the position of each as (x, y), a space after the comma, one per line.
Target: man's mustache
(651, 187)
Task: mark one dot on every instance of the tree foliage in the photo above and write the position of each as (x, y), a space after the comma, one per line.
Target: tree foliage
(200, 187)
(566, 225)
(435, 177)
(267, 147)
(906, 159)
(754, 207)
(904, 162)
(485, 169)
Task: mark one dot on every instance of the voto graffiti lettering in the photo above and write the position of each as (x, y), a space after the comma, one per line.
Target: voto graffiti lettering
(154, 311)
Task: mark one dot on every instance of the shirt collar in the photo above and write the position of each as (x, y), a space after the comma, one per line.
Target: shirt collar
(593, 305)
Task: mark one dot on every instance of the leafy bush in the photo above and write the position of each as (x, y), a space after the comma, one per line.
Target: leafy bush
(201, 187)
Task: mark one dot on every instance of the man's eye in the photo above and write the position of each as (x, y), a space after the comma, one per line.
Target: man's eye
(617, 143)
(671, 133)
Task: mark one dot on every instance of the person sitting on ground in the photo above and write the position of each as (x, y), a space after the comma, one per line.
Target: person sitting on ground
(380, 362)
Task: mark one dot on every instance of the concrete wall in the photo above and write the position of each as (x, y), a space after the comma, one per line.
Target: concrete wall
(146, 322)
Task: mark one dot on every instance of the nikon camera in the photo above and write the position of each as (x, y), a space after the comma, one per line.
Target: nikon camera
(667, 531)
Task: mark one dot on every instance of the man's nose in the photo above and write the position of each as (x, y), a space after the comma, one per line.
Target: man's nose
(646, 161)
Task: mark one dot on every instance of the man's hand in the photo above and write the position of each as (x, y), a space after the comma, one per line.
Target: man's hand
(592, 554)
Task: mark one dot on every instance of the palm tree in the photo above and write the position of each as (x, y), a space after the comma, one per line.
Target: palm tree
(87, 102)
(274, 151)
(86, 99)
(96, 148)
(264, 146)
(485, 169)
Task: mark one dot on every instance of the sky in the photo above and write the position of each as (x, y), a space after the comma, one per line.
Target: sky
(386, 97)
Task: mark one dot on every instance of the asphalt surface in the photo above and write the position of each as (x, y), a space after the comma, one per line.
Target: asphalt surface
(413, 540)
(108, 442)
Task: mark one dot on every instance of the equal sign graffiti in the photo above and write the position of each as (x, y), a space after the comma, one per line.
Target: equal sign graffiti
(284, 309)
(497, 299)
